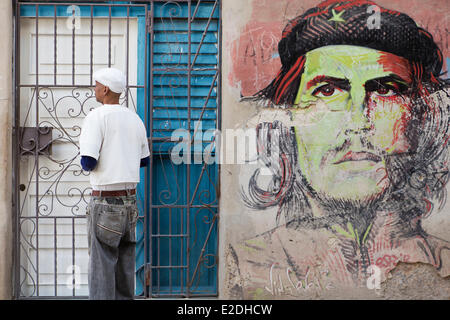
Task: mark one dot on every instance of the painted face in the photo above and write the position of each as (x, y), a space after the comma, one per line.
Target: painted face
(351, 111)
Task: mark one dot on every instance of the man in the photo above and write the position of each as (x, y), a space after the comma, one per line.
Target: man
(113, 146)
(360, 160)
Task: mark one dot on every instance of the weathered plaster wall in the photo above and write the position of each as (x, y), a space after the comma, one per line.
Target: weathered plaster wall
(251, 31)
(5, 150)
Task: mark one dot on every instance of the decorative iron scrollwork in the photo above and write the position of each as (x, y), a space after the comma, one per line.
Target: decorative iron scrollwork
(33, 138)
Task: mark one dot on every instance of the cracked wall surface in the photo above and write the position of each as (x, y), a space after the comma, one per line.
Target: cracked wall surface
(291, 229)
(415, 281)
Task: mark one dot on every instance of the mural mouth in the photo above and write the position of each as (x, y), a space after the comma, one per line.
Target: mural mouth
(359, 156)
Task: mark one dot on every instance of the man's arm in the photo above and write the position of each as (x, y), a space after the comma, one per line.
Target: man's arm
(88, 163)
(145, 161)
(145, 152)
(91, 138)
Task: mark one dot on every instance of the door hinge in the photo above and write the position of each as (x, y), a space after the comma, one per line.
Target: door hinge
(147, 272)
(148, 22)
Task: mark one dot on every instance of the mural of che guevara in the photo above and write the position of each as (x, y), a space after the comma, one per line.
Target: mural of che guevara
(362, 160)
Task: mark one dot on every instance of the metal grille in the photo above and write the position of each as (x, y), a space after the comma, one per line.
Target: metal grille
(185, 62)
(172, 84)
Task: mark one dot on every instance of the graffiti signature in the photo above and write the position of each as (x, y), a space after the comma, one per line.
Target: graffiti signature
(314, 278)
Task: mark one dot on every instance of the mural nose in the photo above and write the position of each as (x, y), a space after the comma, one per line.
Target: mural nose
(358, 120)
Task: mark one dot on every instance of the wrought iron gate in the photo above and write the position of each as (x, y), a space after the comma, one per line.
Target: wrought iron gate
(170, 53)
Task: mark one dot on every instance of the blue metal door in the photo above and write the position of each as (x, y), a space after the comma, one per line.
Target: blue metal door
(183, 74)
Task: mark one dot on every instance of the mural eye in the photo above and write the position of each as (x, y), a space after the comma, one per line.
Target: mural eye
(325, 91)
(385, 92)
(389, 89)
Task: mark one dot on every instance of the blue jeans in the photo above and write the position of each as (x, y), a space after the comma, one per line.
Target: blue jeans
(111, 223)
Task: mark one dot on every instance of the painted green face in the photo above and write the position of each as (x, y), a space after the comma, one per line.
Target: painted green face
(351, 111)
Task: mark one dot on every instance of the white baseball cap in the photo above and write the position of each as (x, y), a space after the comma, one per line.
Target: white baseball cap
(111, 78)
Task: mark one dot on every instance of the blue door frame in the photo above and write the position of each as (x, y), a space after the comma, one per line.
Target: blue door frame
(178, 87)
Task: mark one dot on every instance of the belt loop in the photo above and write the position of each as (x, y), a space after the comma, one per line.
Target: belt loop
(128, 192)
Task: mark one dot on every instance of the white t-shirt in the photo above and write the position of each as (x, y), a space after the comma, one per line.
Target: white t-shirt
(116, 137)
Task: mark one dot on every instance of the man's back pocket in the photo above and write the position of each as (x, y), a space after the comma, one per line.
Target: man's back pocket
(110, 224)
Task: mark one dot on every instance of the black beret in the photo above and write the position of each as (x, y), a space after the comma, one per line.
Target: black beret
(351, 23)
